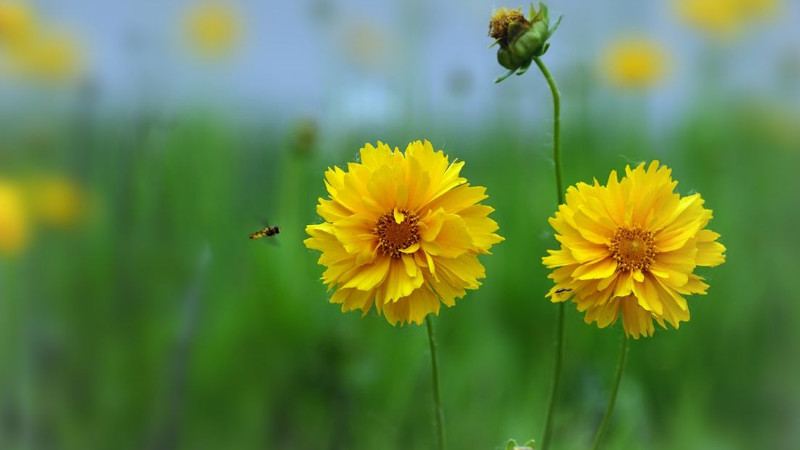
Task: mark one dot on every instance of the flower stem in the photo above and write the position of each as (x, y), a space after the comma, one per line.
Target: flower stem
(556, 376)
(556, 127)
(438, 419)
(559, 356)
(613, 398)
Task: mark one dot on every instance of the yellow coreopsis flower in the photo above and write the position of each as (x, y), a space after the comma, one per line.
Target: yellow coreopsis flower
(635, 62)
(14, 224)
(17, 24)
(402, 231)
(58, 201)
(724, 18)
(632, 246)
(56, 57)
(760, 8)
(367, 43)
(213, 28)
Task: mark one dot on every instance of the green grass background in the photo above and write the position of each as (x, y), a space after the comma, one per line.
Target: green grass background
(160, 325)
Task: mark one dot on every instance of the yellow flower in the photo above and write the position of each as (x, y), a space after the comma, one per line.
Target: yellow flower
(760, 9)
(213, 28)
(635, 62)
(58, 201)
(632, 246)
(14, 225)
(32, 51)
(56, 57)
(17, 23)
(724, 18)
(402, 231)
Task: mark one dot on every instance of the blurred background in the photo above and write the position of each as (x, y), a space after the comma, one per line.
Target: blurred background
(142, 141)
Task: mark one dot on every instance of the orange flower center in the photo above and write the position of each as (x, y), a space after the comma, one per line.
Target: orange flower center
(396, 231)
(633, 249)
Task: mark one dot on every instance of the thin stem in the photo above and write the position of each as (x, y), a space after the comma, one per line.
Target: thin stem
(559, 356)
(613, 398)
(556, 127)
(437, 403)
(559, 344)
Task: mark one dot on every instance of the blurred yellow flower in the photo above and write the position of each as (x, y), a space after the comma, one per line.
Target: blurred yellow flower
(31, 51)
(213, 28)
(635, 62)
(367, 43)
(14, 224)
(402, 231)
(58, 201)
(55, 57)
(17, 24)
(724, 18)
(760, 8)
(632, 246)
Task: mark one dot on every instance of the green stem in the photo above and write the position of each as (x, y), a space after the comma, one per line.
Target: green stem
(559, 356)
(613, 398)
(548, 427)
(556, 127)
(438, 419)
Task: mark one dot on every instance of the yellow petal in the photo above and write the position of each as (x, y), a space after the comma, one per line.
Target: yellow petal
(368, 276)
(458, 199)
(647, 295)
(558, 258)
(398, 216)
(591, 228)
(454, 238)
(352, 299)
(446, 291)
(401, 280)
(413, 308)
(433, 224)
(480, 226)
(709, 252)
(601, 269)
(635, 320)
(604, 315)
(466, 269)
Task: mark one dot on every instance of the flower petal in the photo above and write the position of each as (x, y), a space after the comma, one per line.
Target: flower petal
(368, 276)
(710, 253)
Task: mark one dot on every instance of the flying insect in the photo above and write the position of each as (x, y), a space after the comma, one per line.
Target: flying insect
(267, 231)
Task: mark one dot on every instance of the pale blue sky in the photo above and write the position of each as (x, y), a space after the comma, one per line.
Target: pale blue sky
(295, 59)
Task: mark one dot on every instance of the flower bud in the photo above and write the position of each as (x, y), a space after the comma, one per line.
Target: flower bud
(520, 39)
(512, 445)
(303, 138)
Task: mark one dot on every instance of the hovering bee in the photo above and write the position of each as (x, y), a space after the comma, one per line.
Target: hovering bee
(266, 231)
(562, 290)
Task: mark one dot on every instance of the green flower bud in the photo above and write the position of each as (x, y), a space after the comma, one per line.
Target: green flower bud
(520, 39)
(509, 59)
(512, 445)
(303, 136)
